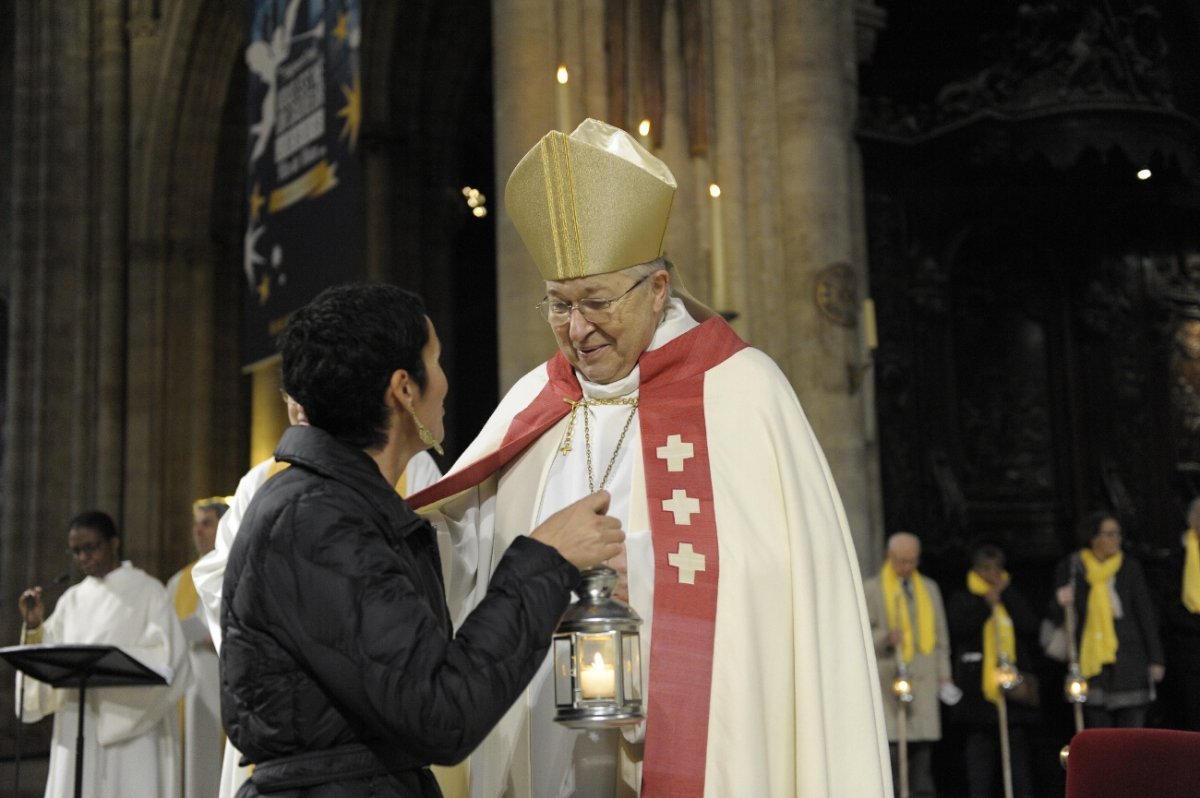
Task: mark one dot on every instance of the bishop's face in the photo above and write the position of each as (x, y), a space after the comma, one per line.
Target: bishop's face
(604, 347)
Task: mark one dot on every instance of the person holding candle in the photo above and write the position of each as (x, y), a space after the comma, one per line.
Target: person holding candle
(1120, 652)
(1182, 622)
(908, 624)
(130, 734)
(755, 652)
(989, 617)
(340, 673)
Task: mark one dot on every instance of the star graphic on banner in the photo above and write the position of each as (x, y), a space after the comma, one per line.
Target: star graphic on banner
(256, 202)
(264, 290)
(342, 30)
(352, 111)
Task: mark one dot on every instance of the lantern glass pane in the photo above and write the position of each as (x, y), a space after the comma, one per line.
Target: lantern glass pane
(595, 655)
(564, 692)
(632, 650)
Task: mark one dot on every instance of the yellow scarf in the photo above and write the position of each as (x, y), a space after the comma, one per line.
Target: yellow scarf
(186, 598)
(893, 596)
(1006, 637)
(1098, 644)
(1191, 573)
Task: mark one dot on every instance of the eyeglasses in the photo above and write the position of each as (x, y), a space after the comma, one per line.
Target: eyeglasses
(597, 311)
(84, 548)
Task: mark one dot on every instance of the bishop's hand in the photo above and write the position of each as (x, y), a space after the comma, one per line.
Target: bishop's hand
(582, 533)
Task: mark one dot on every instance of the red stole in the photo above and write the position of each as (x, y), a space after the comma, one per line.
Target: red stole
(679, 498)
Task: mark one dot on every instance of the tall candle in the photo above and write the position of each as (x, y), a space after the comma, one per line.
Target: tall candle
(717, 276)
(597, 680)
(870, 335)
(563, 100)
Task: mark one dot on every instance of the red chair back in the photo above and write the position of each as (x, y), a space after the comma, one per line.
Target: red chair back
(1128, 763)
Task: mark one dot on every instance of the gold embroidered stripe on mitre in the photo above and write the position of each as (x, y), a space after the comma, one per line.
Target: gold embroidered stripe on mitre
(590, 203)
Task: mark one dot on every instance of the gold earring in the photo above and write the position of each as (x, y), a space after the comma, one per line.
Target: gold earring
(424, 434)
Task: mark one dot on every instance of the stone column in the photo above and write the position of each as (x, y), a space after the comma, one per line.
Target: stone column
(525, 59)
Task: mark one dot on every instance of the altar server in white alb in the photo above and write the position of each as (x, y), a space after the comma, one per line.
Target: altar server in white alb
(130, 733)
(757, 660)
(203, 739)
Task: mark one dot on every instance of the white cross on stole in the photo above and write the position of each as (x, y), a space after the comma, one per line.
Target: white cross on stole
(675, 452)
(688, 562)
(683, 506)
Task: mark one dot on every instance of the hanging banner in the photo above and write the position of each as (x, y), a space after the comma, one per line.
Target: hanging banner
(304, 220)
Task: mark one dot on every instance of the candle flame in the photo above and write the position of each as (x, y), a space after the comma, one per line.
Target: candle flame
(562, 73)
(598, 661)
(714, 190)
(644, 127)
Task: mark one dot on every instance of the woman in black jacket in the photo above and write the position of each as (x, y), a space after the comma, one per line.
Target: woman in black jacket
(340, 672)
(1117, 631)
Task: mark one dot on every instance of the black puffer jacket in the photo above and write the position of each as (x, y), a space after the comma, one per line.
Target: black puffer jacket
(337, 634)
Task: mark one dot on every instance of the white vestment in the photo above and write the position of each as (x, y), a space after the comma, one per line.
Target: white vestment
(794, 699)
(209, 572)
(130, 733)
(203, 738)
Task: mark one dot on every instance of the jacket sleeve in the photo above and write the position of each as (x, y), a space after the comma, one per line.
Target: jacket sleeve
(967, 615)
(1144, 612)
(361, 624)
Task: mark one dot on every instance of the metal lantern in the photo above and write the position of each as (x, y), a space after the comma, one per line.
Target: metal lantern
(597, 657)
(1007, 675)
(902, 686)
(1075, 687)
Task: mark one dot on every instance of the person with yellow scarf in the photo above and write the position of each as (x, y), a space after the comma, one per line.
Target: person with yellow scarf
(987, 617)
(1119, 648)
(908, 623)
(1182, 608)
(201, 737)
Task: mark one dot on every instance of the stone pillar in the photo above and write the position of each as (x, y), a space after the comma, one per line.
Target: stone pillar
(525, 60)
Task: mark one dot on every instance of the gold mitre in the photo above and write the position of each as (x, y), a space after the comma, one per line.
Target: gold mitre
(590, 203)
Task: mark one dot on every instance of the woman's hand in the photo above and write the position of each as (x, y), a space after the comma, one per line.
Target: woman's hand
(1065, 595)
(582, 533)
(1157, 672)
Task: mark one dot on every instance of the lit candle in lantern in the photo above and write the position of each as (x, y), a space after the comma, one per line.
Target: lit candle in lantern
(563, 100)
(717, 231)
(597, 680)
(644, 134)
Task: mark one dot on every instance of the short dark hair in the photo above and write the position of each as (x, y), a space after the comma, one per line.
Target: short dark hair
(340, 351)
(1089, 526)
(95, 519)
(985, 553)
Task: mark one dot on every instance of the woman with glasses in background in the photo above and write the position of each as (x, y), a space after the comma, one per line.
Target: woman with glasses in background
(1117, 631)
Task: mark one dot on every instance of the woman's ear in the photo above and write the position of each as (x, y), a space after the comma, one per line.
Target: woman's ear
(400, 387)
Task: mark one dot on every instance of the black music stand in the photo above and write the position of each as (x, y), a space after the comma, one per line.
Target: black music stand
(79, 666)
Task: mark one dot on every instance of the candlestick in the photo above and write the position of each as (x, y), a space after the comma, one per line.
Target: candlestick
(717, 231)
(563, 100)
(597, 680)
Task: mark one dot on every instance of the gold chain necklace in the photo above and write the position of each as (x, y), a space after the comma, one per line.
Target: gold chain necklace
(587, 435)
